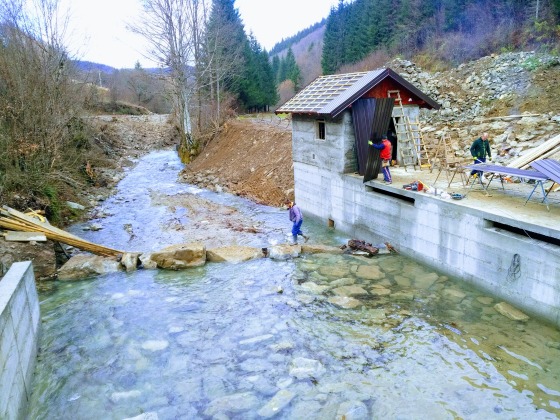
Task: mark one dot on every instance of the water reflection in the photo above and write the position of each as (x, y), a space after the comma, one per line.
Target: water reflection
(348, 337)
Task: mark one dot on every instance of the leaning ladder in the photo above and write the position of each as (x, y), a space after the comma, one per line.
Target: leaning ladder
(419, 143)
(412, 148)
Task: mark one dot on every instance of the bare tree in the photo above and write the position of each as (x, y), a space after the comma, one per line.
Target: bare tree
(172, 29)
(39, 104)
(224, 58)
(139, 83)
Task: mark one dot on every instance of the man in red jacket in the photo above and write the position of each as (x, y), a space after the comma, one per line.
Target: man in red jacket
(385, 155)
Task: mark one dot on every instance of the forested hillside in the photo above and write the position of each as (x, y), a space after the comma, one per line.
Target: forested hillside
(454, 31)
(363, 34)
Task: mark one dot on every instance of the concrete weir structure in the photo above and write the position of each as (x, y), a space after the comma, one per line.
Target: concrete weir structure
(19, 333)
(512, 257)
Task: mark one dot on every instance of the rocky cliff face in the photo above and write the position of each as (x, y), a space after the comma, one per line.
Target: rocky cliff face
(515, 97)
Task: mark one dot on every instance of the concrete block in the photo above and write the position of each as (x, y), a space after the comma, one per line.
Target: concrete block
(17, 306)
(18, 338)
(7, 339)
(8, 378)
(23, 330)
(31, 289)
(18, 397)
(23, 334)
(35, 318)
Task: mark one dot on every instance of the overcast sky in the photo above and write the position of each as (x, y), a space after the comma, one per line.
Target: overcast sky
(97, 29)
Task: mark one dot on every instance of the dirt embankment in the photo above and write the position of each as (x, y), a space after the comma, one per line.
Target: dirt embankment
(251, 157)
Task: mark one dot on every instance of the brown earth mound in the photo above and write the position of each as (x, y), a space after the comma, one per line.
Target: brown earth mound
(250, 157)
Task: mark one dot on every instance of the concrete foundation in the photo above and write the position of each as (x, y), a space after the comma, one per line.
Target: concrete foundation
(517, 261)
(19, 333)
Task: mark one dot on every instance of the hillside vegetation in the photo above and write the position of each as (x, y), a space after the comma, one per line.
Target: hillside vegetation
(437, 34)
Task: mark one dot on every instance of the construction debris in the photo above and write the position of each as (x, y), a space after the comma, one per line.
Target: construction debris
(24, 236)
(545, 150)
(13, 220)
(359, 245)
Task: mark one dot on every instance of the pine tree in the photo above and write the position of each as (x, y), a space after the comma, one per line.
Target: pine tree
(334, 40)
(226, 44)
(258, 87)
(293, 72)
(276, 68)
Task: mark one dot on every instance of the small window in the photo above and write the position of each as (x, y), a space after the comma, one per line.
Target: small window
(321, 129)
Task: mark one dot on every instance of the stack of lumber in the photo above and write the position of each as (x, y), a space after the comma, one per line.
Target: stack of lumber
(14, 220)
(547, 149)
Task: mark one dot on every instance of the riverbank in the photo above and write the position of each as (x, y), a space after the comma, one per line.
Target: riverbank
(121, 141)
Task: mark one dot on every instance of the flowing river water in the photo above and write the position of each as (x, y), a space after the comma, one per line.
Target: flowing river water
(220, 341)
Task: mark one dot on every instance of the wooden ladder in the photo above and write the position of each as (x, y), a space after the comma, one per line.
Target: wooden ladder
(419, 143)
(447, 161)
(411, 143)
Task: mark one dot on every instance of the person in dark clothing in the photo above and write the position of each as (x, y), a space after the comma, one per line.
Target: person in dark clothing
(297, 218)
(479, 150)
(385, 155)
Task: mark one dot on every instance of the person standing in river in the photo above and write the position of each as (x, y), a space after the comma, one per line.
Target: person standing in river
(297, 218)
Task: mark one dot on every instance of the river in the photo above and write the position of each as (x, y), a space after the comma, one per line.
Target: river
(267, 338)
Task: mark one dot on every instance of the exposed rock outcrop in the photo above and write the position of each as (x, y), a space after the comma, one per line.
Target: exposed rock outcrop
(233, 254)
(180, 256)
(82, 266)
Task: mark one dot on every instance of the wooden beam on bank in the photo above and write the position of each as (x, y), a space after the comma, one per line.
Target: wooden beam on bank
(11, 219)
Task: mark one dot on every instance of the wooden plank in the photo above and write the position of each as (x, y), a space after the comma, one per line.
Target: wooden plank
(17, 221)
(25, 236)
(36, 222)
(535, 153)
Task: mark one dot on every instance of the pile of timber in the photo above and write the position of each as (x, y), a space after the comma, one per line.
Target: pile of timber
(545, 150)
(14, 220)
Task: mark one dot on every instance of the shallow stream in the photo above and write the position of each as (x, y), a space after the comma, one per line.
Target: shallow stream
(220, 341)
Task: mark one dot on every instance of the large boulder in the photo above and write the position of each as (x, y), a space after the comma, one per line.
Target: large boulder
(320, 249)
(233, 254)
(284, 251)
(180, 256)
(130, 261)
(82, 266)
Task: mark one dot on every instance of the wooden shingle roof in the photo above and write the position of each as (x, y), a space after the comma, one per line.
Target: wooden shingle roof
(330, 95)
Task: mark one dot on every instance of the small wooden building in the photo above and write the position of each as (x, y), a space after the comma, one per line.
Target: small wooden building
(335, 116)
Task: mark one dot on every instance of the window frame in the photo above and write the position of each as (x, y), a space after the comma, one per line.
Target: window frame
(321, 131)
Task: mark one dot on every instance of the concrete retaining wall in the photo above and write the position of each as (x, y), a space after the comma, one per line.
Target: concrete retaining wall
(457, 240)
(19, 333)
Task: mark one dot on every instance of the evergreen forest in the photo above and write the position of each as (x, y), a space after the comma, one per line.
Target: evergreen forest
(447, 31)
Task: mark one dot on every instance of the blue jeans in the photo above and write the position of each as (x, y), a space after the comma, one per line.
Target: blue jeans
(478, 160)
(385, 170)
(296, 228)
